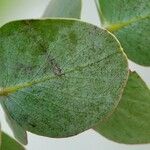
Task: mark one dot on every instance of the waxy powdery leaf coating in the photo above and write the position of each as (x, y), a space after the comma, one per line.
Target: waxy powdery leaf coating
(60, 77)
(129, 21)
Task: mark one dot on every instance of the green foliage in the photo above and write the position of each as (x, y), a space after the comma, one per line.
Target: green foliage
(130, 123)
(64, 8)
(9, 143)
(129, 21)
(62, 76)
(18, 131)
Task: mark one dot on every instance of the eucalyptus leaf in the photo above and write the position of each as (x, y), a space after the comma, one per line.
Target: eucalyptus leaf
(0, 136)
(64, 8)
(60, 77)
(19, 133)
(9, 143)
(129, 21)
(130, 123)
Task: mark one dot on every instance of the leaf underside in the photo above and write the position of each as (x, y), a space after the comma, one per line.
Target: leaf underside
(130, 123)
(61, 8)
(129, 21)
(60, 77)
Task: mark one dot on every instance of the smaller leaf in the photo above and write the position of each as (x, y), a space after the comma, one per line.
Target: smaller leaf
(64, 8)
(0, 137)
(9, 143)
(129, 21)
(19, 133)
(130, 123)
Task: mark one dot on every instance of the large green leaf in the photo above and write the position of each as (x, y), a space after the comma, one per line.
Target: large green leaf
(60, 77)
(129, 20)
(19, 133)
(64, 8)
(130, 123)
(9, 143)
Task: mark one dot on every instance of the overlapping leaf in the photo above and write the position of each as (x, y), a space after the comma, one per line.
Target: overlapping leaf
(0, 137)
(130, 123)
(129, 21)
(64, 8)
(19, 133)
(9, 143)
(60, 77)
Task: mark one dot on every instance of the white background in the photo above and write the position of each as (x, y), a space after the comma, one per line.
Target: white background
(89, 140)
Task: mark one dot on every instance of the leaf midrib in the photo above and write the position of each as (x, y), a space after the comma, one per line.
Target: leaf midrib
(12, 89)
(118, 26)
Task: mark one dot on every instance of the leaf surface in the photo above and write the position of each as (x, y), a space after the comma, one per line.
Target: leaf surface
(9, 143)
(19, 133)
(60, 77)
(64, 9)
(129, 21)
(130, 123)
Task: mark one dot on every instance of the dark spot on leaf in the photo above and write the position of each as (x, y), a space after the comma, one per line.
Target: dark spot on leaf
(25, 68)
(55, 67)
(32, 124)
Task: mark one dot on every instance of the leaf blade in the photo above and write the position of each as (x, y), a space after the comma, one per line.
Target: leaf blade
(63, 9)
(65, 65)
(129, 22)
(9, 143)
(130, 123)
(18, 131)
